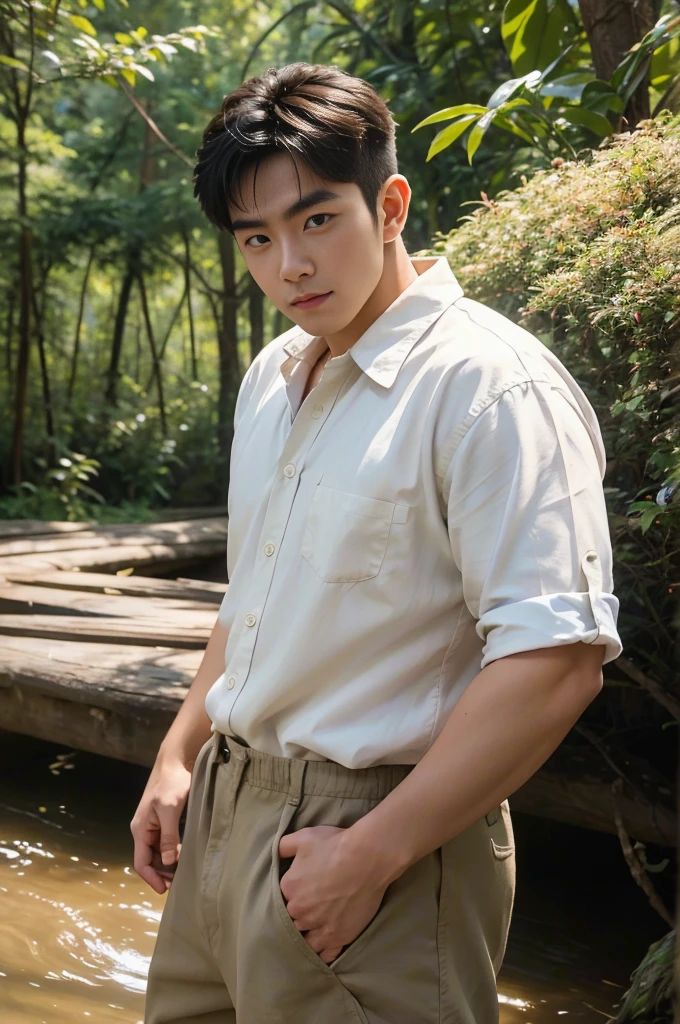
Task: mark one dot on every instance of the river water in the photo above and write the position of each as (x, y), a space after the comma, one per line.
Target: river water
(77, 927)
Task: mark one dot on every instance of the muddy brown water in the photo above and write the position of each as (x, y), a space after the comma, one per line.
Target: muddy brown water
(77, 926)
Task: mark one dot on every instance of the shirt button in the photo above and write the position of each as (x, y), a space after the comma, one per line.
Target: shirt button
(269, 549)
(289, 470)
(316, 412)
(250, 619)
(231, 682)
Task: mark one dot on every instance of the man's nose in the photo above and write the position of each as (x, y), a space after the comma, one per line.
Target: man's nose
(294, 263)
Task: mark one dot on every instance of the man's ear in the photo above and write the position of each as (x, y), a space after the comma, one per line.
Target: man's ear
(393, 203)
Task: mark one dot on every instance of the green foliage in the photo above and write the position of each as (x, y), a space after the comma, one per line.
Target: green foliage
(587, 257)
(64, 492)
(650, 998)
(555, 93)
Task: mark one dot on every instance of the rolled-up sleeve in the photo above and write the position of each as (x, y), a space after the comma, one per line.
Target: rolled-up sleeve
(528, 525)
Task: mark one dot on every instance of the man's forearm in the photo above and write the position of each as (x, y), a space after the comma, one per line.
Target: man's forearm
(512, 716)
(192, 727)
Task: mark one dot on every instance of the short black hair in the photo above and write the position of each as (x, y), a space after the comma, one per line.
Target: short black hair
(336, 123)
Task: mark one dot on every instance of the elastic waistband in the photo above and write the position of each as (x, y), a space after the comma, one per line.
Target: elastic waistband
(312, 778)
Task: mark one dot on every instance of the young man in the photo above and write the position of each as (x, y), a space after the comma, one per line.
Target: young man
(420, 603)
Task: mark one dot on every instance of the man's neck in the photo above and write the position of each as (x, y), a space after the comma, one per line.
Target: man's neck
(397, 275)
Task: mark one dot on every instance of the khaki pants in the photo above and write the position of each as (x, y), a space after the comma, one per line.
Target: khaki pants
(228, 952)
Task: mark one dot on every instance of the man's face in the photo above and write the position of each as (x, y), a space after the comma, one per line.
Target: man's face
(311, 237)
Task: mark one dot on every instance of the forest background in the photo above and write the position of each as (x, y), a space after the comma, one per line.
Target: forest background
(551, 180)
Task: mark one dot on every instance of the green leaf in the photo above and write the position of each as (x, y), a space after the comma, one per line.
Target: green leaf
(569, 86)
(511, 126)
(663, 62)
(477, 133)
(505, 91)
(450, 112)
(142, 32)
(143, 71)
(129, 76)
(83, 24)
(641, 506)
(647, 518)
(600, 96)
(589, 119)
(535, 32)
(519, 101)
(123, 38)
(110, 80)
(99, 4)
(12, 62)
(449, 135)
(166, 48)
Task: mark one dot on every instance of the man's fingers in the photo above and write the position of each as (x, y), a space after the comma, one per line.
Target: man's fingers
(169, 844)
(329, 955)
(152, 878)
(143, 867)
(288, 845)
(318, 941)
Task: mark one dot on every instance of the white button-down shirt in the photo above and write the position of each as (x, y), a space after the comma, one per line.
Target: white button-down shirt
(434, 504)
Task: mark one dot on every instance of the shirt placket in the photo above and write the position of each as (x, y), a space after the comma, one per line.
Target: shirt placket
(305, 428)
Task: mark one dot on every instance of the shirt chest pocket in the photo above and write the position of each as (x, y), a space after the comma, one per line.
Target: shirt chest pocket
(345, 536)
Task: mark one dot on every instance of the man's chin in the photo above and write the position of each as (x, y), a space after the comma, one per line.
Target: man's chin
(320, 326)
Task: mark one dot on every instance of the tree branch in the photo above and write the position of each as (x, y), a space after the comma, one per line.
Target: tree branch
(152, 124)
(667, 700)
(633, 861)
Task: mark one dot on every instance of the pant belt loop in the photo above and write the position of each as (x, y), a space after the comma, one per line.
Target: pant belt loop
(297, 770)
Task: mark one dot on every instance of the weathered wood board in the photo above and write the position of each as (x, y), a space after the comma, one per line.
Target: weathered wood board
(156, 546)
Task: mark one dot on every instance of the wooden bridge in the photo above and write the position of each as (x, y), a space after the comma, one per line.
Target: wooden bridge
(93, 655)
(97, 652)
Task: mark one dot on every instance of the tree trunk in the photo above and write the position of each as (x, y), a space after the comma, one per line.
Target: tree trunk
(190, 312)
(79, 321)
(168, 332)
(154, 356)
(230, 372)
(256, 313)
(132, 272)
(9, 333)
(44, 376)
(612, 27)
(113, 372)
(25, 299)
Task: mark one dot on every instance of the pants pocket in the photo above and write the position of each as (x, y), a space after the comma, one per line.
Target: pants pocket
(348, 1007)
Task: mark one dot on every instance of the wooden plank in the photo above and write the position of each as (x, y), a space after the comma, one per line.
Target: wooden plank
(106, 629)
(587, 802)
(155, 558)
(19, 599)
(127, 734)
(38, 527)
(182, 532)
(104, 675)
(141, 586)
(171, 514)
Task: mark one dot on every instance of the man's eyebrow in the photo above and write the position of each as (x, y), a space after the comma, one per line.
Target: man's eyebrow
(319, 195)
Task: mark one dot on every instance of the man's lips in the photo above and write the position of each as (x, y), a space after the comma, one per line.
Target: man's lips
(312, 301)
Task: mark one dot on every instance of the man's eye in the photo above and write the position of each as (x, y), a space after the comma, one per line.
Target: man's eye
(316, 216)
(259, 239)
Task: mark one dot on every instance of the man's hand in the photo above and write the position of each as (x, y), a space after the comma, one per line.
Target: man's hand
(331, 895)
(155, 826)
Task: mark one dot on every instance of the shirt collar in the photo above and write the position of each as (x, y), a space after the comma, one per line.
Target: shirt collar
(382, 349)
